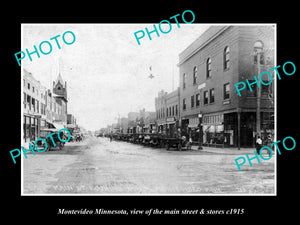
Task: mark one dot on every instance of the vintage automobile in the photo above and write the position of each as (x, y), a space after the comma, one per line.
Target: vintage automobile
(179, 143)
(45, 132)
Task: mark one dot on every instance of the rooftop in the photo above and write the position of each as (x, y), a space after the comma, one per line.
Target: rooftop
(211, 33)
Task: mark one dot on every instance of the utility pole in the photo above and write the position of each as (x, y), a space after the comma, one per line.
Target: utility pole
(258, 119)
(258, 49)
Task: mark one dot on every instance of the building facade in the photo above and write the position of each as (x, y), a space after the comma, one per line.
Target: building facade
(132, 122)
(41, 107)
(150, 123)
(209, 68)
(167, 111)
(160, 109)
(34, 107)
(61, 100)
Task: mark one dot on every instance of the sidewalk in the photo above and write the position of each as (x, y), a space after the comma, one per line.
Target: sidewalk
(226, 151)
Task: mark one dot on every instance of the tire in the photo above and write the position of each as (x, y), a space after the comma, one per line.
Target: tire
(167, 146)
(179, 146)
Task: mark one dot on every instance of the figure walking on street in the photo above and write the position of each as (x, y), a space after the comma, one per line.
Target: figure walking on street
(258, 144)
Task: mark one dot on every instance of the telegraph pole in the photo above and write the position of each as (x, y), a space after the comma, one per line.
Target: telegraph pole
(258, 119)
(258, 49)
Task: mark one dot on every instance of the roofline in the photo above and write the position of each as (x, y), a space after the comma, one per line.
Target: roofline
(193, 52)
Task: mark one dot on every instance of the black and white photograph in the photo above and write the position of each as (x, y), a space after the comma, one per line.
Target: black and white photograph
(141, 109)
(144, 111)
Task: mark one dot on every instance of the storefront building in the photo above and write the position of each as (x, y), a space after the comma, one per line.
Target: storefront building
(34, 107)
(167, 112)
(221, 57)
(160, 109)
(41, 108)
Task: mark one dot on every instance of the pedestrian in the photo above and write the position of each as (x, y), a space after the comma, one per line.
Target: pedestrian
(110, 138)
(258, 144)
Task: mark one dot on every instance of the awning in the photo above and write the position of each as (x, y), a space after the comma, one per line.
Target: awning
(171, 122)
(71, 126)
(58, 125)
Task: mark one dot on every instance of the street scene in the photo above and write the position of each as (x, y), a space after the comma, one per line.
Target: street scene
(160, 117)
(100, 166)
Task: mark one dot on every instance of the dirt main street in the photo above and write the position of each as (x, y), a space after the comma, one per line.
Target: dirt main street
(98, 166)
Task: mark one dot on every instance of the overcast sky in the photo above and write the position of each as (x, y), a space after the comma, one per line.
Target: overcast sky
(107, 72)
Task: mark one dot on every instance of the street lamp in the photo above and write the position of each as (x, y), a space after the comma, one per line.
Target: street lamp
(258, 50)
(200, 132)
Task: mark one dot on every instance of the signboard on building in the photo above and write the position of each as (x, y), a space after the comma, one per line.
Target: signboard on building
(200, 86)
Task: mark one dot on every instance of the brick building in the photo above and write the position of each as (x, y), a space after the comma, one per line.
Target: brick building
(61, 100)
(209, 68)
(167, 111)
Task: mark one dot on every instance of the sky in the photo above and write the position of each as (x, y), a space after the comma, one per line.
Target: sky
(107, 72)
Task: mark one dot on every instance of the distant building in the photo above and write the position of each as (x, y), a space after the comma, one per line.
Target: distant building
(61, 100)
(71, 119)
(124, 125)
(132, 122)
(71, 124)
(160, 109)
(150, 122)
(167, 111)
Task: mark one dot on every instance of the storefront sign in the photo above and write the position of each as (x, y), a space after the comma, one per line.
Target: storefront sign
(200, 86)
(171, 119)
(213, 119)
